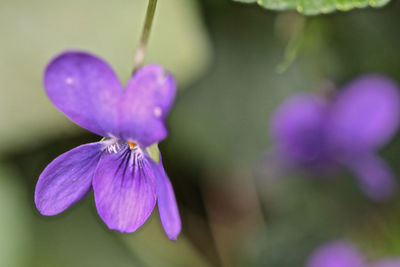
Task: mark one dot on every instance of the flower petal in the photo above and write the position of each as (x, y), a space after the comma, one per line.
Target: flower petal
(86, 90)
(374, 176)
(147, 100)
(366, 113)
(167, 206)
(67, 179)
(336, 254)
(395, 262)
(298, 128)
(124, 189)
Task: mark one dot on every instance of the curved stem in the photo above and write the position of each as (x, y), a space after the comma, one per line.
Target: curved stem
(139, 58)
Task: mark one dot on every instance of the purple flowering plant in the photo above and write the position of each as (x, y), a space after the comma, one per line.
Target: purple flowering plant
(320, 134)
(341, 253)
(125, 168)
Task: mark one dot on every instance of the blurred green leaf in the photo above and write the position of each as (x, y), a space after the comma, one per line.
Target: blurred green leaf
(153, 248)
(15, 228)
(314, 7)
(78, 238)
(379, 234)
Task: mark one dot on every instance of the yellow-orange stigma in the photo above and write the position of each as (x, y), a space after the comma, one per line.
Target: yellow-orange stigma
(131, 145)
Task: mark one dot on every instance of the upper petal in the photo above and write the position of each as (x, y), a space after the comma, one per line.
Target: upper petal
(86, 90)
(67, 179)
(365, 113)
(336, 254)
(146, 103)
(298, 127)
(167, 206)
(124, 189)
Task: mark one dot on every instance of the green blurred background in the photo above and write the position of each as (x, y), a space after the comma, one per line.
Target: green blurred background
(225, 56)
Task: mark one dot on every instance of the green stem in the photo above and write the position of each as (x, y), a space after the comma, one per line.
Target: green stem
(139, 58)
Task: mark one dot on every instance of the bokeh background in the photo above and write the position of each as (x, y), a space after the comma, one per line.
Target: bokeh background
(234, 68)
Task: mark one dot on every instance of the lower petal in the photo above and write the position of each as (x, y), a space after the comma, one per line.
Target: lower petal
(374, 176)
(67, 179)
(124, 190)
(167, 207)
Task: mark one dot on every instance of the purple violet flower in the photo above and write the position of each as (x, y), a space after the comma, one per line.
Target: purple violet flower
(321, 134)
(343, 254)
(125, 169)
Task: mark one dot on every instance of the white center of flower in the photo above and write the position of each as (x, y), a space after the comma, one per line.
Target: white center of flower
(113, 148)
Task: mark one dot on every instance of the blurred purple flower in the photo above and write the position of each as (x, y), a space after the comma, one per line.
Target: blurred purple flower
(319, 134)
(395, 262)
(336, 254)
(126, 179)
(344, 254)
